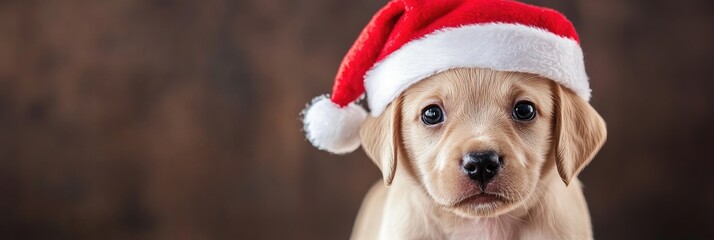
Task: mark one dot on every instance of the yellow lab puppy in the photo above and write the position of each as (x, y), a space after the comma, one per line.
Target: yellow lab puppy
(480, 154)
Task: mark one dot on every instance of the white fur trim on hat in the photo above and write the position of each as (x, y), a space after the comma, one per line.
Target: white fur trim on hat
(333, 128)
(499, 46)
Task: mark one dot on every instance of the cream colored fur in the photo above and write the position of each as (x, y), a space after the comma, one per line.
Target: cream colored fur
(423, 195)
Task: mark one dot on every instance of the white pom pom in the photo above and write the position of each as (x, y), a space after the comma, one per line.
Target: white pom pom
(332, 128)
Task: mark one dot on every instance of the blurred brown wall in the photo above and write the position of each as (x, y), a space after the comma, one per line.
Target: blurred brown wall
(172, 119)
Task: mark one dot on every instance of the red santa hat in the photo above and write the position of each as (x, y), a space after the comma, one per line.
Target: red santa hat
(409, 40)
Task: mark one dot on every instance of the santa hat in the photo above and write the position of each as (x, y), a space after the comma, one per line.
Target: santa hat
(409, 40)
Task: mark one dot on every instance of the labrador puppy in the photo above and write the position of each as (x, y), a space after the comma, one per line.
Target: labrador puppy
(480, 154)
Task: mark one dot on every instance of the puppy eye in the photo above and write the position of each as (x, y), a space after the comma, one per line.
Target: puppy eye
(432, 114)
(524, 111)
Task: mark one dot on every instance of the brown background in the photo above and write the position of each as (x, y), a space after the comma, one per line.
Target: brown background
(172, 119)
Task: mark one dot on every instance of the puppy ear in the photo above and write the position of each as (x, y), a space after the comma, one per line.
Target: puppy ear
(381, 139)
(579, 133)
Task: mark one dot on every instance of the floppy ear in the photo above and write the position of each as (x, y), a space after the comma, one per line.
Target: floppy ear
(579, 133)
(380, 139)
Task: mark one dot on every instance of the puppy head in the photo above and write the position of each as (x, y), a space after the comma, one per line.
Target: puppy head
(480, 141)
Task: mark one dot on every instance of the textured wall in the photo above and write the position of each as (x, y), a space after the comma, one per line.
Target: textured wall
(172, 119)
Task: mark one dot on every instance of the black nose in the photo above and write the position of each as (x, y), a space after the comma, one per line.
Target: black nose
(481, 166)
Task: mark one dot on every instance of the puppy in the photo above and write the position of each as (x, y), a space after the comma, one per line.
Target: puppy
(480, 154)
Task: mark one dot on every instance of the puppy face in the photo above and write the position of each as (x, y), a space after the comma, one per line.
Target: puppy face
(479, 140)
(478, 108)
